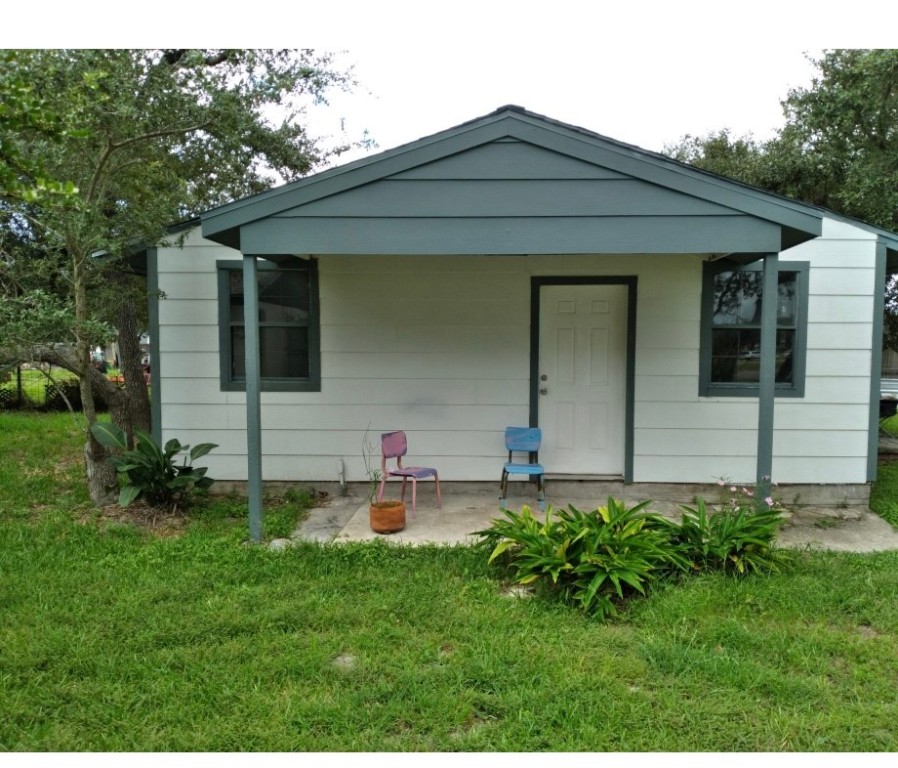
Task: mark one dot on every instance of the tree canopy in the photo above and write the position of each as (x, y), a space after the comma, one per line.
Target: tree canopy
(102, 150)
(838, 147)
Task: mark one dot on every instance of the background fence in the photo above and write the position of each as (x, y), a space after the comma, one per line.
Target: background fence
(40, 388)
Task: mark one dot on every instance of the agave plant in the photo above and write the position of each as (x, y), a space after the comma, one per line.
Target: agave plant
(150, 472)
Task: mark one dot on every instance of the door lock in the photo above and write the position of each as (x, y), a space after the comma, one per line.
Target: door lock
(544, 391)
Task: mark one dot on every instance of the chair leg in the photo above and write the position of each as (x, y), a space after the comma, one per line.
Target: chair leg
(414, 496)
(436, 480)
(404, 481)
(380, 490)
(541, 491)
(503, 489)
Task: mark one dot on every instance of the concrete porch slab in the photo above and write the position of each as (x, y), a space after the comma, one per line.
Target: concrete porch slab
(345, 519)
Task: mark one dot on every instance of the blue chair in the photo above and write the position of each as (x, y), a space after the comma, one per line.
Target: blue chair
(523, 440)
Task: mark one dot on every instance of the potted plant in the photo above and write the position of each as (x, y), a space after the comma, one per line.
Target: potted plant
(387, 516)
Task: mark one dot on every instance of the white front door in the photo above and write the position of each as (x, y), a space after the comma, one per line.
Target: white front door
(583, 378)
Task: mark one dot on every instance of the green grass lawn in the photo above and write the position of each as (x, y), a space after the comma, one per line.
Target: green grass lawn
(113, 638)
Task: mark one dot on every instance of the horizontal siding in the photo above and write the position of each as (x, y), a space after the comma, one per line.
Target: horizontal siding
(696, 442)
(506, 198)
(347, 443)
(501, 363)
(508, 160)
(744, 442)
(666, 388)
(316, 468)
(838, 389)
(841, 282)
(200, 338)
(835, 362)
(652, 361)
(693, 468)
(418, 311)
(449, 338)
(189, 286)
(846, 336)
(188, 313)
(831, 469)
(843, 309)
(442, 418)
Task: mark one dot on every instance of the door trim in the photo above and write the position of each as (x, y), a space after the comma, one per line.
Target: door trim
(536, 284)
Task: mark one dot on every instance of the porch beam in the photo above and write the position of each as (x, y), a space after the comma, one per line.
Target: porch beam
(767, 380)
(253, 400)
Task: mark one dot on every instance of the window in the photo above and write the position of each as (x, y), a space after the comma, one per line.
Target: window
(288, 326)
(730, 361)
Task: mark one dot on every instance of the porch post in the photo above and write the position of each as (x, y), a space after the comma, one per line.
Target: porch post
(155, 356)
(253, 403)
(767, 380)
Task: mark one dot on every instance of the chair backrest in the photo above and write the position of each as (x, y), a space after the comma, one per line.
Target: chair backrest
(393, 445)
(523, 439)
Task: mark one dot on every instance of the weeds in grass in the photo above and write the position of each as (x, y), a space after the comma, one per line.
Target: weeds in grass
(884, 494)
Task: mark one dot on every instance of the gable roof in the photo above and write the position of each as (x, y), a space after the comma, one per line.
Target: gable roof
(513, 182)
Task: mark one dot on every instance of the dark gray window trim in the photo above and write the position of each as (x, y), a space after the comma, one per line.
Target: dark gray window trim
(630, 282)
(796, 389)
(313, 382)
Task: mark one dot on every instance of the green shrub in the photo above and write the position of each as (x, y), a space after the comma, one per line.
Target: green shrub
(595, 560)
(149, 471)
(738, 538)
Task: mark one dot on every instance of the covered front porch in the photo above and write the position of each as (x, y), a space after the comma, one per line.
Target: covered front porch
(341, 515)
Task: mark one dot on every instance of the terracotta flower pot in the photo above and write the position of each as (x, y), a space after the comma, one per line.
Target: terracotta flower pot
(387, 516)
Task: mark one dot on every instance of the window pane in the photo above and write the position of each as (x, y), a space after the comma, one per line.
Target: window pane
(235, 283)
(737, 298)
(787, 299)
(735, 355)
(284, 353)
(785, 347)
(238, 353)
(284, 309)
(283, 296)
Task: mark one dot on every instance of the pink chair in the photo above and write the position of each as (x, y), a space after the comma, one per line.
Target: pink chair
(394, 445)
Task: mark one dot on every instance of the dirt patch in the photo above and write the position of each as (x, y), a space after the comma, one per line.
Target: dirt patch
(156, 522)
(866, 631)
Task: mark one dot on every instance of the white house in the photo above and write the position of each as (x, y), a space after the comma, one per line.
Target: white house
(515, 270)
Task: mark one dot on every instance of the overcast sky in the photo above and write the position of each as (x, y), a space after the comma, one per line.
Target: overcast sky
(643, 72)
(648, 99)
(646, 72)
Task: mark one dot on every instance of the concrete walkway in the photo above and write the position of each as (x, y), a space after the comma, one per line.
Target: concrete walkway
(345, 519)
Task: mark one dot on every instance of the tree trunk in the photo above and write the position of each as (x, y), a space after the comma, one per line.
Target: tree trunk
(102, 480)
(101, 476)
(133, 411)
